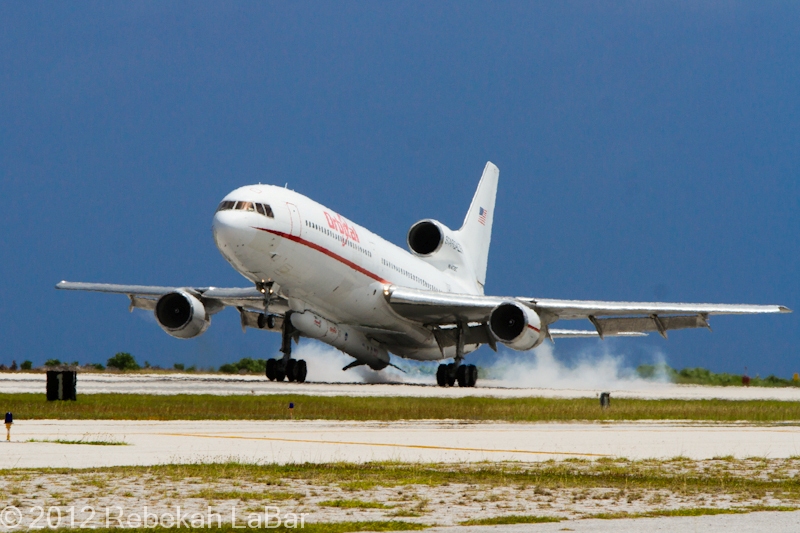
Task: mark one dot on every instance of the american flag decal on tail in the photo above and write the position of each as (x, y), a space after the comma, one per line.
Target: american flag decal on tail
(482, 216)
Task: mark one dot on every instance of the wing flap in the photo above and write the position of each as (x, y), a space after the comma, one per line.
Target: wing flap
(148, 304)
(475, 333)
(613, 326)
(588, 334)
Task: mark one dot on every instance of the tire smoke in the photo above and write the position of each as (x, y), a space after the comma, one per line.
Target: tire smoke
(593, 369)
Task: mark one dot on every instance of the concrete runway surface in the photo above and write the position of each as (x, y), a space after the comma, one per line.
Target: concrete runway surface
(158, 442)
(222, 384)
(773, 522)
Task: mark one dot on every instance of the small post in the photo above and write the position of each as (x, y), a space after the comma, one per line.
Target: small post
(796, 377)
(605, 400)
(9, 421)
(291, 410)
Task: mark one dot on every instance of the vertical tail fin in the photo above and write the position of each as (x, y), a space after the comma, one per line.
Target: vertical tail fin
(476, 232)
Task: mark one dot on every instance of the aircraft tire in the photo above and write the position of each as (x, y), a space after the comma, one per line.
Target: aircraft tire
(291, 368)
(441, 376)
(280, 375)
(472, 375)
(271, 364)
(300, 371)
(461, 376)
(451, 374)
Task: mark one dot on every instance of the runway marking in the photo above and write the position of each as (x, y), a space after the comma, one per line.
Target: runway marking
(390, 445)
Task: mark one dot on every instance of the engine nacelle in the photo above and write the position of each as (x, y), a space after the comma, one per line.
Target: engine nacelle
(181, 315)
(437, 244)
(347, 339)
(515, 325)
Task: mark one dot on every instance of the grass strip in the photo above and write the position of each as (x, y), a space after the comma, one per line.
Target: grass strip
(354, 504)
(27, 406)
(511, 519)
(679, 476)
(246, 495)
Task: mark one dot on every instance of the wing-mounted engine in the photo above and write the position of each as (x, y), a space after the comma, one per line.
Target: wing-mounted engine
(435, 243)
(516, 325)
(181, 315)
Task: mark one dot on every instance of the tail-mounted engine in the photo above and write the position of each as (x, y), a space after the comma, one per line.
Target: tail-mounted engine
(515, 325)
(435, 243)
(181, 315)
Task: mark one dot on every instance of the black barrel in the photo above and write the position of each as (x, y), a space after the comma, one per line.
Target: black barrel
(605, 400)
(61, 385)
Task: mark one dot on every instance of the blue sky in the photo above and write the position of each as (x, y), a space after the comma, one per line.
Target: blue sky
(646, 151)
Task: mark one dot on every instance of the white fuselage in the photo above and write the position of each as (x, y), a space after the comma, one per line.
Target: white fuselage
(329, 265)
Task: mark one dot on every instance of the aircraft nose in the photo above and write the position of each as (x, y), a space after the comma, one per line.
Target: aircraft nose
(228, 231)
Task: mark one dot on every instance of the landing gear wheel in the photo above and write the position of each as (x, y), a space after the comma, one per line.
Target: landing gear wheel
(441, 376)
(300, 371)
(461, 376)
(290, 365)
(279, 374)
(451, 374)
(271, 368)
(472, 373)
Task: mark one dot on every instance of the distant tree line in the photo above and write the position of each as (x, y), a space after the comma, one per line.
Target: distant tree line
(703, 376)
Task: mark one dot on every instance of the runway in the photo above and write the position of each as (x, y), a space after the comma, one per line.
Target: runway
(297, 441)
(223, 384)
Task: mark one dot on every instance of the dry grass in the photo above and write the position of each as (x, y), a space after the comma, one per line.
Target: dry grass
(380, 494)
(748, 477)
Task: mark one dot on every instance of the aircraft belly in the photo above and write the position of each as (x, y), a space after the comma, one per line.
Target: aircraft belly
(428, 351)
(335, 290)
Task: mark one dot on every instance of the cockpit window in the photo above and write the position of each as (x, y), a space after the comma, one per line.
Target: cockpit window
(262, 209)
(226, 205)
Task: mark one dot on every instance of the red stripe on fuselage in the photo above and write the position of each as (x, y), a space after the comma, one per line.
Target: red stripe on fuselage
(325, 251)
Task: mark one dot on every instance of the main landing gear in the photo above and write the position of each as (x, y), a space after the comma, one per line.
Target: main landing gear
(448, 374)
(286, 367)
(465, 375)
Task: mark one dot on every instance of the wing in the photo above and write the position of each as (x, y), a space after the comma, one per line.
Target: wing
(608, 318)
(249, 301)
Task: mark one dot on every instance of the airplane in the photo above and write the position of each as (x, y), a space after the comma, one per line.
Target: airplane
(317, 274)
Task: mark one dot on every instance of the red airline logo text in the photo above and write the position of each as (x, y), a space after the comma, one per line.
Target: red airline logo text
(338, 224)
